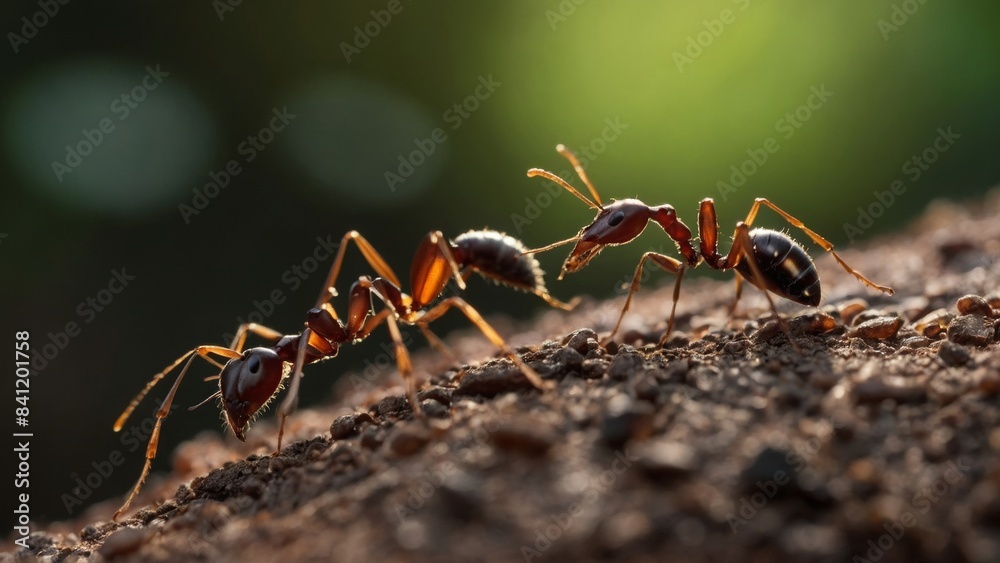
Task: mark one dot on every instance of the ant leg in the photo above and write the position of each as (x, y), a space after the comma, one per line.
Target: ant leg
(743, 250)
(372, 322)
(403, 362)
(487, 330)
(321, 348)
(433, 265)
(438, 344)
(164, 410)
(405, 365)
(540, 292)
(739, 291)
(371, 255)
(553, 302)
(442, 243)
(260, 330)
(667, 263)
(291, 401)
(816, 238)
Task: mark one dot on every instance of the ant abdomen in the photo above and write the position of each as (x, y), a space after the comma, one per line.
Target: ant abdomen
(499, 257)
(786, 268)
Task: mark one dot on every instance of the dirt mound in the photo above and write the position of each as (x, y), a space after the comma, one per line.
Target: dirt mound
(877, 438)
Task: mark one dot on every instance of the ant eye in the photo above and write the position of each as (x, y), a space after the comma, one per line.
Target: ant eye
(253, 364)
(616, 218)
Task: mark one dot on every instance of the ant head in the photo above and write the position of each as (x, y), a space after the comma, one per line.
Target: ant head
(616, 223)
(247, 383)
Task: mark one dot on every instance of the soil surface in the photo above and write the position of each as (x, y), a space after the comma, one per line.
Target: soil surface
(874, 437)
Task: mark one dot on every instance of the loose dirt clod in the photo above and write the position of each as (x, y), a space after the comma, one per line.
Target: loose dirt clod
(953, 354)
(880, 328)
(973, 330)
(409, 439)
(934, 323)
(974, 305)
(531, 437)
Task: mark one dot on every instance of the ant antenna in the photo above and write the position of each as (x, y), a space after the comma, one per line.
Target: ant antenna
(551, 246)
(210, 397)
(568, 154)
(550, 176)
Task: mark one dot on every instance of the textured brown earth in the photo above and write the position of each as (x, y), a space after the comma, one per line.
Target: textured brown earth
(876, 439)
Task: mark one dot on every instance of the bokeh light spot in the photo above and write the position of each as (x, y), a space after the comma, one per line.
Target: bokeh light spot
(360, 139)
(105, 136)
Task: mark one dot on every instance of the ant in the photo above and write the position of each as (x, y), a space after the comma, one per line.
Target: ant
(251, 378)
(768, 259)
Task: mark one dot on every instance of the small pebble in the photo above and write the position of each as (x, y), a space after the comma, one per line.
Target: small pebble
(993, 299)
(434, 409)
(916, 342)
(667, 459)
(974, 305)
(371, 437)
(767, 331)
(766, 466)
(533, 438)
(863, 471)
(877, 389)
(624, 529)
(646, 389)
(851, 309)
(953, 354)
(491, 380)
(123, 542)
(408, 440)
(593, 369)
(933, 324)
(253, 487)
(625, 365)
(971, 329)
(439, 394)
(344, 426)
(89, 533)
(735, 347)
(167, 507)
(989, 384)
(881, 328)
(582, 340)
(568, 357)
(393, 404)
(868, 315)
(625, 420)
(823, 379)
(677, 340)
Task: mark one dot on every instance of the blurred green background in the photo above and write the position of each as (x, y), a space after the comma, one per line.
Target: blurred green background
(690, 86)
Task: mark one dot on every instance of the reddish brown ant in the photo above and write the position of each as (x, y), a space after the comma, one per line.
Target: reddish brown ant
(251, 378)
(768, 259)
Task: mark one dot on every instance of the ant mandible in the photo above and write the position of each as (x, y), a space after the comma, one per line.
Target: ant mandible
(250, 379)
(768, 259)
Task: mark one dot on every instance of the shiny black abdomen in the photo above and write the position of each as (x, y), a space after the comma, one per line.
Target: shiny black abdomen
(787, 269)
(499, 257)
